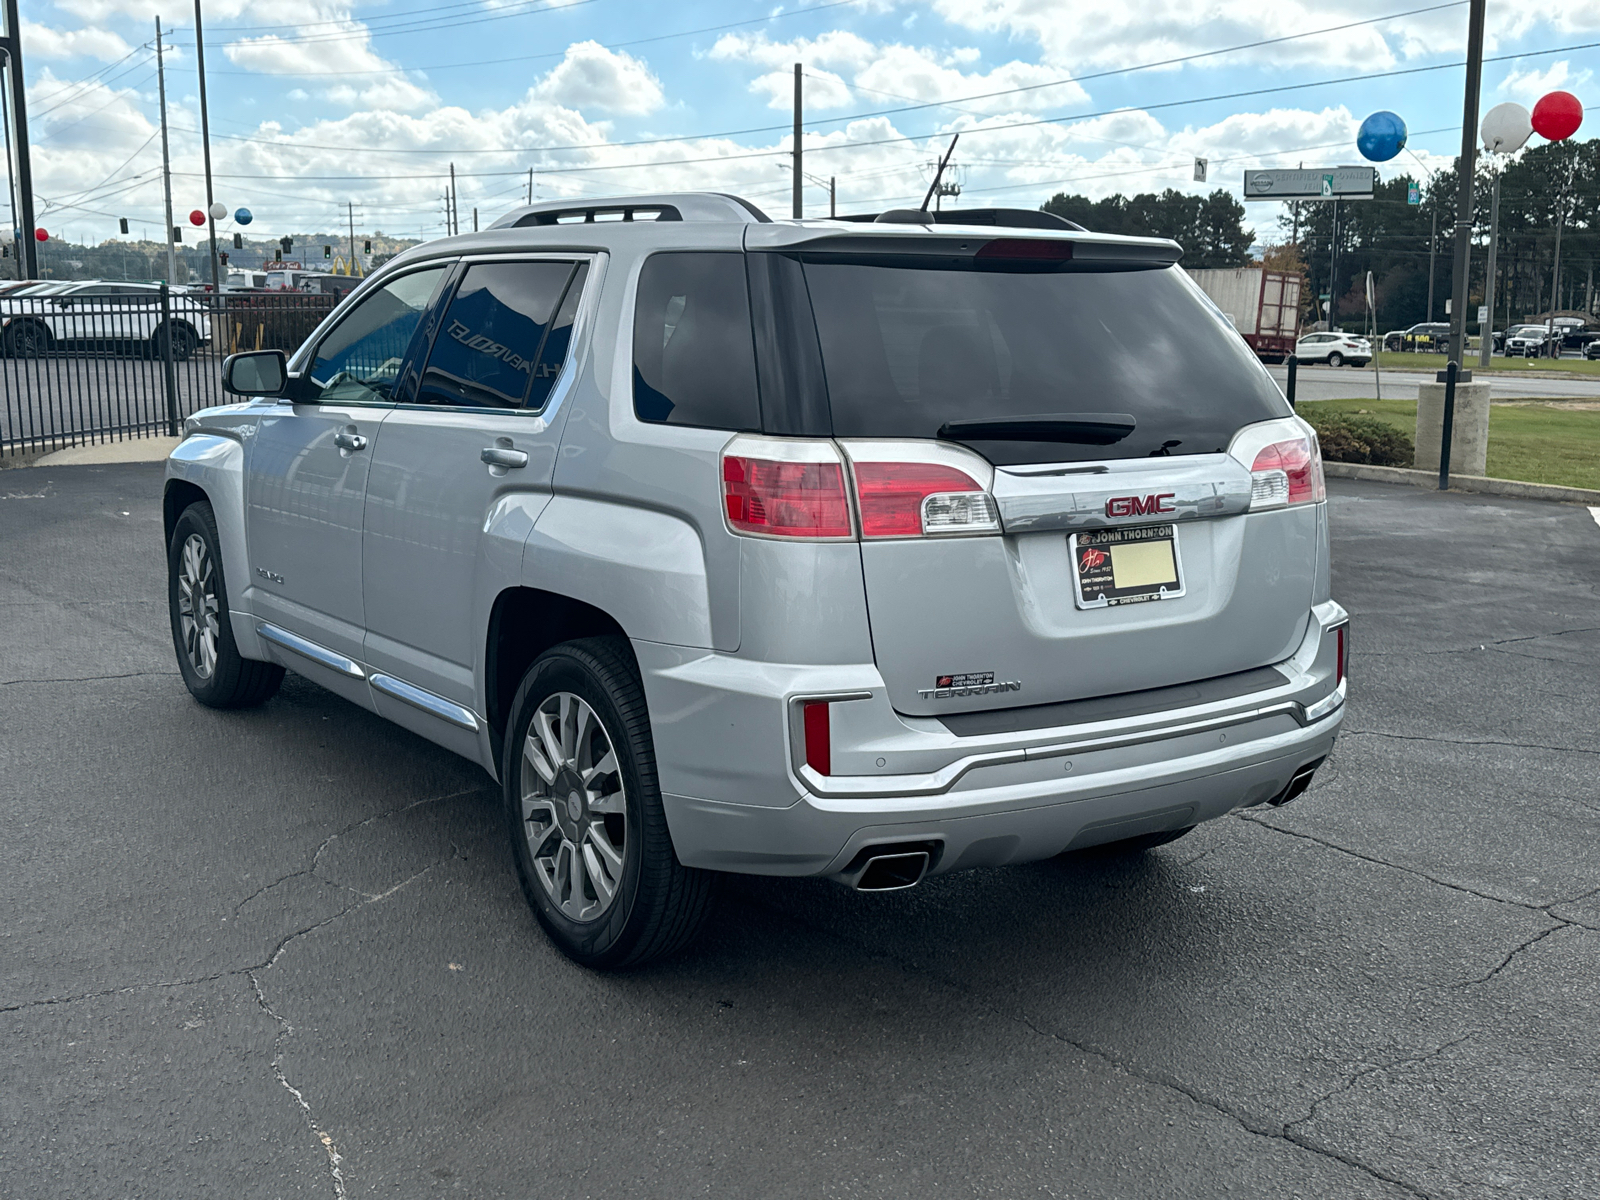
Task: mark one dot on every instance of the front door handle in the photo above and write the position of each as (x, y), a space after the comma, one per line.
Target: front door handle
(349, 440)
(504, 456)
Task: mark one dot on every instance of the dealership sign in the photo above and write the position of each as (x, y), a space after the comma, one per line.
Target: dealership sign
(1315, 183)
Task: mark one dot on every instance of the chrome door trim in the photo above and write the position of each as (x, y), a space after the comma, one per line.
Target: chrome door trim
(320, 655)
(437, 706)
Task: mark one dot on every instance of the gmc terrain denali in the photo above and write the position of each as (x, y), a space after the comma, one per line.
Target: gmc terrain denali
(864, 550)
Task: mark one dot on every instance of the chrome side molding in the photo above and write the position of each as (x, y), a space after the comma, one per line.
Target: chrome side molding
(320, 655)
(437, 706)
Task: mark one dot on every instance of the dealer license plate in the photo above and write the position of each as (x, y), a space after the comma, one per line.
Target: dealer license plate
(1125, 566)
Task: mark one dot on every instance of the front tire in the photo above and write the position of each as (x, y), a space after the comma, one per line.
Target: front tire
(182, 339)
(583, 810)
(28, 339)
(213, 670)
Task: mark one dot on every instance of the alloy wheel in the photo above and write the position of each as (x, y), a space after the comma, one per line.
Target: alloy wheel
(198, 606)
(574, 807)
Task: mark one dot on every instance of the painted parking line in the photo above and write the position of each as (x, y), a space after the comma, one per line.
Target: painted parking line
(1595, 513)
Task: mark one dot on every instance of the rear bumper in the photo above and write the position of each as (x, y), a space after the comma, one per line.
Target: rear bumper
(739, 798)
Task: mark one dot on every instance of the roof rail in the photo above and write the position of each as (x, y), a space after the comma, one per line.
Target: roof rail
(1011, 218)
(668, 206)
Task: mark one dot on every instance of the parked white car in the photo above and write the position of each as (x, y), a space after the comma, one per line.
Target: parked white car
(1335, 349)
(104, 316)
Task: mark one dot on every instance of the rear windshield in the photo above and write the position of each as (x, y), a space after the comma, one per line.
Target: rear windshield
(907, 347)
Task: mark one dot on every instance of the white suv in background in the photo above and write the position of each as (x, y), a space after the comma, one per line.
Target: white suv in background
(1335, 349)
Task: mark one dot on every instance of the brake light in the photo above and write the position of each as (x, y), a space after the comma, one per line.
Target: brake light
(909, 499)
(786, 499)
(819, 737)
(1288, 472)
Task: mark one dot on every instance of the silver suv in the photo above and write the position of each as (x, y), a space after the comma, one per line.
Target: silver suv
(858, 550)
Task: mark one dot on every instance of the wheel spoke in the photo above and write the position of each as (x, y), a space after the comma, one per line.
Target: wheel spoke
(606, 766)
(549, 740)
(584, 722)
(604, 887)
(575, 864)
(601, 841)
(533, 754)
(610, 803)
(568, 727)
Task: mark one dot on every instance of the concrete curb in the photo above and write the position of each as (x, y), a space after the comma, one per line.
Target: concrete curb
(1464, 483)
(133, 450)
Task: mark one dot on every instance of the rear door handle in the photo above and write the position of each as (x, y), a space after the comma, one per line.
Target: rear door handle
(503, 456)
(347, 440)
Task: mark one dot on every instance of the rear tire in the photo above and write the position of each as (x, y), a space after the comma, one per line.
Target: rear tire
(183, 339)
(575, 787)
(213, 670)
(1336, 359)
(28, 339)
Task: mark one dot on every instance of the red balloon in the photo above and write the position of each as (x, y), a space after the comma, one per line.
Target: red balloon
(41, 235)
(197, 217)
(1557, 116)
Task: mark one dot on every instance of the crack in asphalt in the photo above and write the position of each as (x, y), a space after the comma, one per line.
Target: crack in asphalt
(87, 678)
(1373, 1069)
(335, 1159)
(1561, 923)
(1418, 737)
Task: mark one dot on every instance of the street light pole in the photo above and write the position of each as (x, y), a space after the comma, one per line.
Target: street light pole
(799, 179)
(28, 251)
(1465, 167)
(205, 146)
(1486, 333)
(166, 159)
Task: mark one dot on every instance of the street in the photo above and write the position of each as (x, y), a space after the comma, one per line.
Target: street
(1350, 383)
(282, 952)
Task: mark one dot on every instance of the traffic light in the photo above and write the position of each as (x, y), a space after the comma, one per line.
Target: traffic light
(327, 252)
(366, 246)
(122, 223)
(277, 256)
(287, 243)
(223, 258)
(177, 233)
(238, 241)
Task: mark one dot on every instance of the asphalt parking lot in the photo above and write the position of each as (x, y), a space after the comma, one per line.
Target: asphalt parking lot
(281, 953)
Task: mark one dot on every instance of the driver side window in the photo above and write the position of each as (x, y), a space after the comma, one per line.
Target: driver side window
(360, 360)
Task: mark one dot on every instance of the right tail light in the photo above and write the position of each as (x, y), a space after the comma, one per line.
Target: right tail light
(1284, 461)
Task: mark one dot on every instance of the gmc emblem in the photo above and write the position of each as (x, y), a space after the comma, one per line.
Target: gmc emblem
(1138, 506)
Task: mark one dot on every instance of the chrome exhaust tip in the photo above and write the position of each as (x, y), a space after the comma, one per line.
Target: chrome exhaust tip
(893, 872)
(1297, 785)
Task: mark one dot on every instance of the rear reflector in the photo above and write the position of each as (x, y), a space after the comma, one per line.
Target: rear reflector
(1343, 652)
(786, 499)
(819, 737)
(909, 499)
(1288, 472)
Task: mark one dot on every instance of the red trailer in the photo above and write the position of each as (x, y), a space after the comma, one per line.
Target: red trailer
(1263, 305)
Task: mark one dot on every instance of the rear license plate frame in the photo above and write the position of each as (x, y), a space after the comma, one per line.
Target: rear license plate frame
(1104, 594)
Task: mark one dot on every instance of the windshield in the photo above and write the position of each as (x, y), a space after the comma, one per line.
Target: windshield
(908, 348)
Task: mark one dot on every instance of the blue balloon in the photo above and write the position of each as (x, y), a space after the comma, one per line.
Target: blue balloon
(244, 216)
(1381, 137)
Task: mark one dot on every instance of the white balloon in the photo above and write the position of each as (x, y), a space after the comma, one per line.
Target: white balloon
(218, 210)
(1506, 128)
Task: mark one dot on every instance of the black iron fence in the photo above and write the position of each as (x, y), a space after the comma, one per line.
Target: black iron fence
(124, 361)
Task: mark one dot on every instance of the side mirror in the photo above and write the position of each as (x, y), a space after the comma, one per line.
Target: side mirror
(257, 373)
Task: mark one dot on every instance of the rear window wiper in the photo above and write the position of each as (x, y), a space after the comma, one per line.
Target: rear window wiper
(1084, 429)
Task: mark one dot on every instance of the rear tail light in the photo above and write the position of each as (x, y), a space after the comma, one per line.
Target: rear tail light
(1287, 472)
(786, 499)
(819, 736)
(910, 499)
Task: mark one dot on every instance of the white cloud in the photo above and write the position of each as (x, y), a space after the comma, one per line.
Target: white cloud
(590, 76)
(365, 77)
(1527, 86)
(887, 74)
(41, 41)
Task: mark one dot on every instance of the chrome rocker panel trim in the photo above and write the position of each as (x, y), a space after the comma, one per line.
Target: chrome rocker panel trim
(320, 655)
(417, 697)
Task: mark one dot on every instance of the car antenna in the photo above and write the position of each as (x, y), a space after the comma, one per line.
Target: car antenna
(939, 174)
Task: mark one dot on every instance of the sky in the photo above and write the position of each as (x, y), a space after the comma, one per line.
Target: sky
(316, 106)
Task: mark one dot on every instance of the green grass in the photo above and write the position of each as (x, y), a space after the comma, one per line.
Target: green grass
(1536, 443)
(1403, 360)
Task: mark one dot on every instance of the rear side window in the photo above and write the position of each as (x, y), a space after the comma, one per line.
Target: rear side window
(908, 347)
(489, 343)
(693, 355)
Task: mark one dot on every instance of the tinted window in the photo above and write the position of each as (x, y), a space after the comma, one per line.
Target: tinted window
(361, 358)
(484, 352)
(907, 348)
(557, 339)
(693, 358)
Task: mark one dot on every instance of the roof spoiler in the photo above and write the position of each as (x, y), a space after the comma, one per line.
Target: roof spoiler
(1008, 218)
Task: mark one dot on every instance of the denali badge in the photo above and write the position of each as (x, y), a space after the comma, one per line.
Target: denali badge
(1138, 506)
(972, 683)
(273, 576)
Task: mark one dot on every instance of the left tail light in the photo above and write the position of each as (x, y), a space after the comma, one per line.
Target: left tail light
(785, 489)
(1285, 464)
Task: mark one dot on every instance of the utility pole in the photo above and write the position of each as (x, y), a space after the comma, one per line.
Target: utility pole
(28, 251)
(11, 183)
(1486, 334)
(530, 185)
(1466, 166)
(350, 208)
(166, 158)
(833, 196)
(799, 179)
(1333, 264)
(205, 145)
(455, 213)
(1433, 243)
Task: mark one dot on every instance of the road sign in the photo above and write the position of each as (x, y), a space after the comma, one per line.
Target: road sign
(1200, 165)
(1413, 194)
(1320, 183)
(1483, 314)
